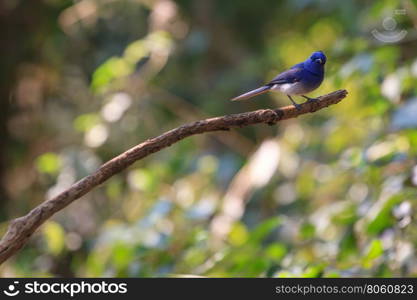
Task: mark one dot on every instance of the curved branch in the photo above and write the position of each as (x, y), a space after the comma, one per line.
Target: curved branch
(21, 229)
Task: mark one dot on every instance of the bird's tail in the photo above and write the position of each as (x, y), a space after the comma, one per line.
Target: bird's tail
(253, 93)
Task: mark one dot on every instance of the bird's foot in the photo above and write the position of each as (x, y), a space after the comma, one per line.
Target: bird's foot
(310, 99)
(297, 106)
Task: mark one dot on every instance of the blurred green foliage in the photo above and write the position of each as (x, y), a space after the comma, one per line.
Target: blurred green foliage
(331, 194)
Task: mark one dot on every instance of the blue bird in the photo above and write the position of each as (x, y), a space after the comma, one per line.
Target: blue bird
(298, 80)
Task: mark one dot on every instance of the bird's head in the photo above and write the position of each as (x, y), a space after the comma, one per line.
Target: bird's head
(318, 58)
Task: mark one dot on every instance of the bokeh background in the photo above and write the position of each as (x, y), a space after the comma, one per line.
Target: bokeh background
(329, 194)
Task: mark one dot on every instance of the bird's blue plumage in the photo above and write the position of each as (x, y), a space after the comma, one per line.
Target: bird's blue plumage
(300, 79)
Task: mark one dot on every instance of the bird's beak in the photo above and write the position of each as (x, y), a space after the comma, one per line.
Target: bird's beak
(319, 60)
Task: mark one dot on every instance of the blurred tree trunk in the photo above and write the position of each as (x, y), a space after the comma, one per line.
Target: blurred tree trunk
(9, 55)
(23, 28)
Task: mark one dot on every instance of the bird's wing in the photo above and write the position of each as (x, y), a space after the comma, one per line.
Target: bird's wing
(290, 76)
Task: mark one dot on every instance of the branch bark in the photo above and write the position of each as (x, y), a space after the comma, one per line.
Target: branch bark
(21, 229)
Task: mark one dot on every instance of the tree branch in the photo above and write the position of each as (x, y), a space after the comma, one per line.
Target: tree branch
(21, 229)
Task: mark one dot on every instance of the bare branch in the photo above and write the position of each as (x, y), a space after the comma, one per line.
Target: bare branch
(21, 229)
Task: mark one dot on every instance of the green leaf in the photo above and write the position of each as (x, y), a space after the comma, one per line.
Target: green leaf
(347, 246)
(384, 217)
(375, 250)
(307, 231)
(347, 216)
(276, 252)
(238, 235)
(313, 271)
(113, 68)
(85, 122)
(142, 179)
(54, 236)
(262, 230)
(48, 163)
(122, 256)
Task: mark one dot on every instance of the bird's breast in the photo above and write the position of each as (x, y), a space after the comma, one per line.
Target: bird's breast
(296, 88)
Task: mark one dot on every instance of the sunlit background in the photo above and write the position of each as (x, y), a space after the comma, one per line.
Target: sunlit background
(328, 194)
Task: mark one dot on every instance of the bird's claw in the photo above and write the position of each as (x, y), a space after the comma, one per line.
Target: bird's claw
(297, 106)
(311, 99)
